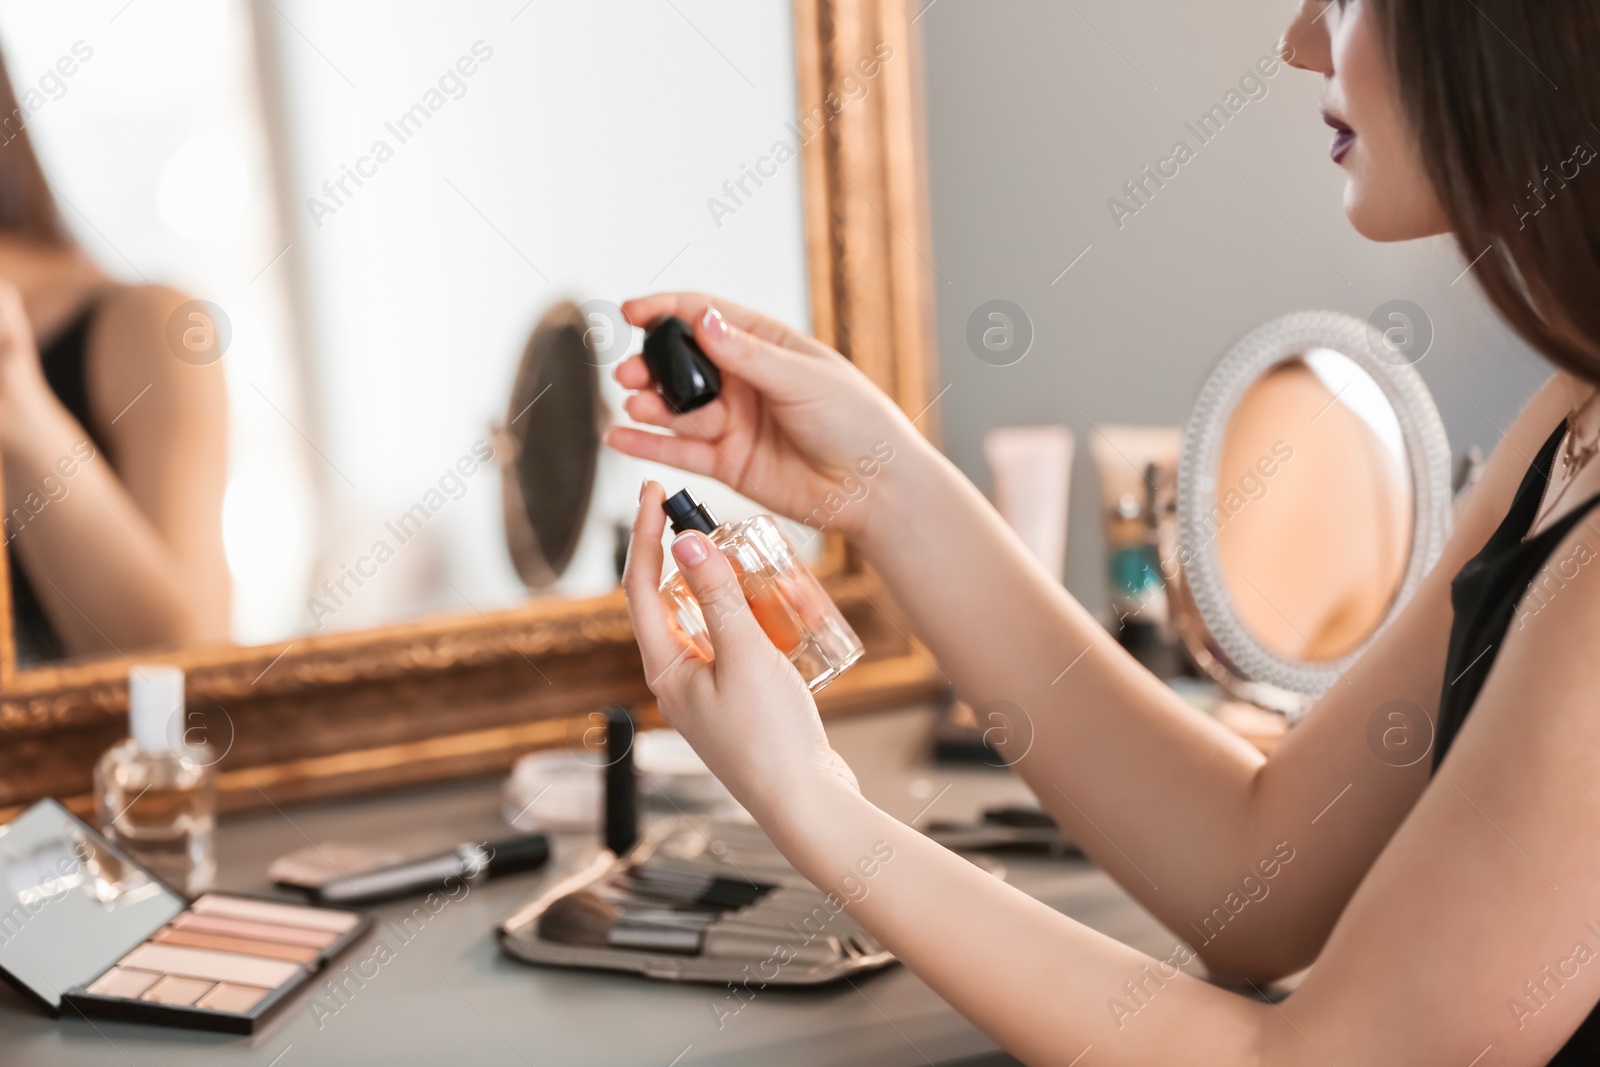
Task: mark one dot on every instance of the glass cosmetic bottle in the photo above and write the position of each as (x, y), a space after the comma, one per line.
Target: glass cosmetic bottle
(154, 794)
(783, 594)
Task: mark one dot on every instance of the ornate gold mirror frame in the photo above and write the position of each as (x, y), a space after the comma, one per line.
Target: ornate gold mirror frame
(467, 694)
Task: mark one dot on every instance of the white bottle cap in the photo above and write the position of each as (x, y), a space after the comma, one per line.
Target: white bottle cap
(155, 707)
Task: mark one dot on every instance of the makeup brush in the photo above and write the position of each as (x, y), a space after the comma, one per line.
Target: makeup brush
(586, 918)
(704, 890)
(581, 918)
(750, 903)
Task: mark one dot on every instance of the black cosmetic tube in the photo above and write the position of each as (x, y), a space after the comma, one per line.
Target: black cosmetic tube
(622, 788)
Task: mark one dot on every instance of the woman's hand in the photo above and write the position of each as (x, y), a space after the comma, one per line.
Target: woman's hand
(797, 427)
(747, 712)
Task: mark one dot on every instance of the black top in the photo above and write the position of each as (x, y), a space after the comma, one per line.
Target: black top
(1494, 591)
(687, 513)
(65, 364)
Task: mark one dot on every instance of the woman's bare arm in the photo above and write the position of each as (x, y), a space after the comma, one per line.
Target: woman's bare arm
(128, 558)
(1181, 811)
(1476, 930)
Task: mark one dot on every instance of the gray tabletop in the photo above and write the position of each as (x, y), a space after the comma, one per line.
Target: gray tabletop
(445, 994)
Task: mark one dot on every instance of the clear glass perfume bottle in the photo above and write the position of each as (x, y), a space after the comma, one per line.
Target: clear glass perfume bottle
(154, 794)
(783, 594)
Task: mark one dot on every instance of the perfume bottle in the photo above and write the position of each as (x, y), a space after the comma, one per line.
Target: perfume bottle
(155, 794)
(783, 594)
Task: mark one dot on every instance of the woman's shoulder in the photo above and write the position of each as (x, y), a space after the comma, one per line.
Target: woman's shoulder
(1558, 618)
(140, 308)
(141, 337)
(143, 322)
(1548, 658)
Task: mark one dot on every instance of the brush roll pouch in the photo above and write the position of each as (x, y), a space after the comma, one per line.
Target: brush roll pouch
(807, 938)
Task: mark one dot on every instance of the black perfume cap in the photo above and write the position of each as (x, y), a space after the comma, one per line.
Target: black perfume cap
(686, 378)
(687, 513)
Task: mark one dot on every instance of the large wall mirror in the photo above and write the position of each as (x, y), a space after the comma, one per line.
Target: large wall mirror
(401, 238)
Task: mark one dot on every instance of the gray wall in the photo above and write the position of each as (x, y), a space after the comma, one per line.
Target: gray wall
(1037, 112)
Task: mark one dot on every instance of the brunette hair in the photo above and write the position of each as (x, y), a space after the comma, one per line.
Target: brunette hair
(27, 207)
(1502, 98)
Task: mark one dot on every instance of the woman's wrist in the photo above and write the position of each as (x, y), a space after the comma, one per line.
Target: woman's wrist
(770, 787)
(806, 810)
(908, 494)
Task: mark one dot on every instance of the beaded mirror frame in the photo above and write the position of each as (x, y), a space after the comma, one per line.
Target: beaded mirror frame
(1203, 608)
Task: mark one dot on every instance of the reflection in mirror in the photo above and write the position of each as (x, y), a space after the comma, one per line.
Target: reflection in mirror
(1314, 513)
(282, 261)
(548, 456)
(116, 430)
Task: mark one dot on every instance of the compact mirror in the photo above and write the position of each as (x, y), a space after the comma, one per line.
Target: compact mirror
(70, 903)
(1313, 496)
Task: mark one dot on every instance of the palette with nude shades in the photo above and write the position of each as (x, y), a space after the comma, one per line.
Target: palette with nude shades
(85, 930)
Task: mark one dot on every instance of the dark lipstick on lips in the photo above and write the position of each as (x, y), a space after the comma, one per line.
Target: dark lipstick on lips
(1343, 137)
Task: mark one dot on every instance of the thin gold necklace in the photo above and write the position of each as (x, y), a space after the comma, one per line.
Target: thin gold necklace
(1574, 458)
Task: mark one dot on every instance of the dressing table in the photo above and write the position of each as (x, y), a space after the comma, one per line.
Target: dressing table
(449, 996)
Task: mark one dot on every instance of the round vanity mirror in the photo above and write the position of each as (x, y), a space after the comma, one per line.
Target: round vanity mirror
(1313, 496)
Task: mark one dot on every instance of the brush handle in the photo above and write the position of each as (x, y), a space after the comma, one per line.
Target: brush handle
(730, 941)
(650, 937)
(725, 939)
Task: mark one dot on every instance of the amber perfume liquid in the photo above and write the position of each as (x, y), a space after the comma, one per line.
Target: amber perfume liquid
(785, 597)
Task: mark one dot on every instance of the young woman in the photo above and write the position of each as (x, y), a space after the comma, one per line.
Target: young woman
(114, 448)
(1452, 906)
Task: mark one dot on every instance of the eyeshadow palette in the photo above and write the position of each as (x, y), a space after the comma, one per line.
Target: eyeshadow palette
(83, 927)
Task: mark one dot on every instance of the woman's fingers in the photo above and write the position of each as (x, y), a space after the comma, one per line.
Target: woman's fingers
(632, 373)
(783, 373)
(660, 647)
(779, 373)
(685, 453)
(710, 421)
(730, 624)
(649, 409)
(690, 307)
(645, 311)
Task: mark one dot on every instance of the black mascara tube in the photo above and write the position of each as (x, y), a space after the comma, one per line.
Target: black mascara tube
(622, 789)
(471, 862)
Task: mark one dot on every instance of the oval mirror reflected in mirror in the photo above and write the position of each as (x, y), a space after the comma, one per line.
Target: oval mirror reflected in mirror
(551, 442)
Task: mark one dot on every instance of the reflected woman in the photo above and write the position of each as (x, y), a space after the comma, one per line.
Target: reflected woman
(114, 448)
